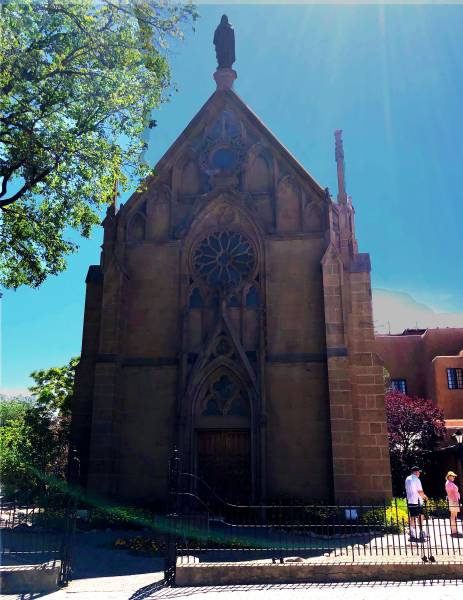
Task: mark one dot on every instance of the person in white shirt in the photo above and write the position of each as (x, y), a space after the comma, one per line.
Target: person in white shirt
(415, 500)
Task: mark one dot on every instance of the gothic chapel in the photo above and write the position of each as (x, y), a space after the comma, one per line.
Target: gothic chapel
(231, 316)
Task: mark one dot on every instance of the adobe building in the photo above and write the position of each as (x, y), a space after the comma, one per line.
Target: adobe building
(231, 316)
(427, 363)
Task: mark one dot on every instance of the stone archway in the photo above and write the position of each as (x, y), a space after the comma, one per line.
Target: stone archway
(222, 436)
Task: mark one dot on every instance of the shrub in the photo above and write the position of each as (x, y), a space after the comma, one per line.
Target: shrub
(438, 507)
(138, 545)
(49, 519)
(119, 517)
(393, 518)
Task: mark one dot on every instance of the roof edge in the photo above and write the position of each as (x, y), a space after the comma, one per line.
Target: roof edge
(255, 120)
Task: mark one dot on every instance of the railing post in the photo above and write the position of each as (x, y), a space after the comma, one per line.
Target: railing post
(172, 518)
(70, 506)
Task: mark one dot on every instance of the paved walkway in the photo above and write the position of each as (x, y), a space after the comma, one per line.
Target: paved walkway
(102, 572)
(138, 588)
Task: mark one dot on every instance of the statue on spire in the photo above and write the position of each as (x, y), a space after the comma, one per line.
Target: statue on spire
(224, 42)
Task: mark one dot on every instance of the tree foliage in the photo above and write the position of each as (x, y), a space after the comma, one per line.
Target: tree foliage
(34, 438)
(78, 81)
(11, 408)
(415, 426)
(53, 387)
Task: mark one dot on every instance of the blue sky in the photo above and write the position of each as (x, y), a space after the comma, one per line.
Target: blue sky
(392, 78)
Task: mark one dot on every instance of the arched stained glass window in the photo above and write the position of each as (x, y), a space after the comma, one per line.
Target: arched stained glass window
(233, 302)
(239, 407)
(225, 387)
(224, 259)
(225, 397)
(252, 297)
(212, 409)
(195, 300)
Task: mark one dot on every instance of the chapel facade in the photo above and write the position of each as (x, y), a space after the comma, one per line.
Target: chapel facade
(231, 317)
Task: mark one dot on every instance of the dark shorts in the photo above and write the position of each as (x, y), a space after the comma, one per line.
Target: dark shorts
(415, 510)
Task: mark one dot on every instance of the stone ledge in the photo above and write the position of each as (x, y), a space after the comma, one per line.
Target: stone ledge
(22, 579)
(297, 572)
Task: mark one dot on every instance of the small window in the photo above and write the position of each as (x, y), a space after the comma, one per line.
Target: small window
(455, 379)
(399, 385)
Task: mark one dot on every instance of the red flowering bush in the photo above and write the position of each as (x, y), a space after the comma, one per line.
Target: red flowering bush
(414, 426)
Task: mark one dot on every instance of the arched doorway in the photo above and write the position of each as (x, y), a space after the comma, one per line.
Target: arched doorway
(223, 446)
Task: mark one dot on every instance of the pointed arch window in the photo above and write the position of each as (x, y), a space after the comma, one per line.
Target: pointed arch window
(239, 407)
(195, 300)
(225, 388)
(136, 228)
(225, 397)
(259, 175)
(233, 302)
(252, 297)
(212, 408)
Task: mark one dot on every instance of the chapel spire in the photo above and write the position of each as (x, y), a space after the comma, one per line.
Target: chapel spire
(349, 247)
(224, 42)
(339, 157)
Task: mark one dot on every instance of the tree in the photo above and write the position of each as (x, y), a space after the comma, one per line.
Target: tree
(78, 82)
(28, 448)
(54, 387)
(11, 408)
(34, 438)
(415, 426)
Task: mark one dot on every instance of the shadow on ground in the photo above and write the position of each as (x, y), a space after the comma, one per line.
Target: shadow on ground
(159, 590)
(95, 556)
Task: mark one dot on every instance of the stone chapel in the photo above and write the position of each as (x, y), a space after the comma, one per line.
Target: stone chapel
(231, 316)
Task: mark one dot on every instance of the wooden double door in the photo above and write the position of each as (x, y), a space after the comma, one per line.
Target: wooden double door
(224, 462)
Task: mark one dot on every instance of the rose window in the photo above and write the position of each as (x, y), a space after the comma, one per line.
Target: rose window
(224, 259)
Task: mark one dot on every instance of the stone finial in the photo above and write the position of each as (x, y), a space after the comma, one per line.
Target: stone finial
(339, 150)
(224, 78)
(339, 157)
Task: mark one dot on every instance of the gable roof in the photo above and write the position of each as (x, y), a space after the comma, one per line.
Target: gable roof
(234, 100)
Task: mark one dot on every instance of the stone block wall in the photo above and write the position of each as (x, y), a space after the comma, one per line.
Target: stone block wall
(82, 401)
(372, 478)
(361, 468)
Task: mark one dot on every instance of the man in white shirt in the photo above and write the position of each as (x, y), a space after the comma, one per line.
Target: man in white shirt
(415, 499)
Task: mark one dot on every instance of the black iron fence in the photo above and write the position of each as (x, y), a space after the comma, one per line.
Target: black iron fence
(206, 528)
(40, 528)
(38, 531)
